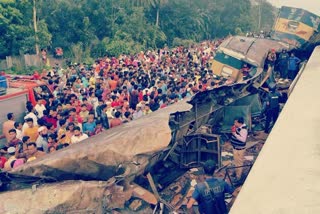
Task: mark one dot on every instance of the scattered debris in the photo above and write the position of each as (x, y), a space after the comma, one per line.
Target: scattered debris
(136, 205)
(144, 194)
(249, 158)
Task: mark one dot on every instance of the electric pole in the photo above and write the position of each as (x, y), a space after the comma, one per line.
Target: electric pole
(35, 27)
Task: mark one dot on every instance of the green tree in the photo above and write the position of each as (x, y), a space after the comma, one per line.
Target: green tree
(134, 34)
(94, 27)
(266, 14)
(14, 27)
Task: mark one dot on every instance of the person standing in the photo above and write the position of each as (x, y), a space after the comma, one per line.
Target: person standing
(42, 140)
(31, 130)
(116, 121)
(238, 140)
(210, 193)
(30, 114)
(14, 141)
(40, 108)
(283, 64)
(134, 97)
(78, 136)
(18, 128)
(293, 66)
(8, 125)
(272, 108)
(272, 57)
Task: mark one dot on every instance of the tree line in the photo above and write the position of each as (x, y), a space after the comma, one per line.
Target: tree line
(87, 29)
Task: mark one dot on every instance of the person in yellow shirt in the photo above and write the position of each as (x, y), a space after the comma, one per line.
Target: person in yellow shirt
(84, 113)
(31, 130)
(147, 109)
(62, 130)
(92, 81)
(66, 138)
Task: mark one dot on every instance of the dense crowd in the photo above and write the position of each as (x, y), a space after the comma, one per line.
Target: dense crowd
(88, 99)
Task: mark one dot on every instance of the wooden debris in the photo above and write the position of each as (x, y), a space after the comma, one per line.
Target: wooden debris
(156, 193)
(144, 194)
(135, 205)
(176, 200)
(176, 188)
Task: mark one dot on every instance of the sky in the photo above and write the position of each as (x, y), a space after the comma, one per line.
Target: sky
(310, 5)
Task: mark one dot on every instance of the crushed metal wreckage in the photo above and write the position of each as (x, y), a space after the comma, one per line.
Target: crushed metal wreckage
(147, 165)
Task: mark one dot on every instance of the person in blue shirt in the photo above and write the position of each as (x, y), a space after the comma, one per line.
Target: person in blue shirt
(283, 64)
(293, 66)
(89, 127)
(210, 194)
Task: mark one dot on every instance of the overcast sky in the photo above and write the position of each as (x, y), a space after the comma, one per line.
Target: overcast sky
(310, 5)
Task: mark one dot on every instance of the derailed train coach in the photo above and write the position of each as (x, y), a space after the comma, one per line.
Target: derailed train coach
(237, 53)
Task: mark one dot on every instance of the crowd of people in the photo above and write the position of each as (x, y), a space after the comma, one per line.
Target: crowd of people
(88, 99)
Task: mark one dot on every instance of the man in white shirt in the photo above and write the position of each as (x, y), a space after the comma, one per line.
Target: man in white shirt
(78, 135)
(239, 140)
(138, 113)
(18, 128)
(40, 108)
(42, 141)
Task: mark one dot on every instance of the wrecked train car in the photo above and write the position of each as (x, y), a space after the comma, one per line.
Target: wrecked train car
(242, 59)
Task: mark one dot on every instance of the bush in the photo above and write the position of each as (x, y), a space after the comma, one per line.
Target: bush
(182, 42)
(23, 71)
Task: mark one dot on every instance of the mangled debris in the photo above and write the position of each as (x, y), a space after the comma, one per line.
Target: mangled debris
(66, 197)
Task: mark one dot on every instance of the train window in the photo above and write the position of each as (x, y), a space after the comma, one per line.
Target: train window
(226, 72)
(293, 26)
(228, 60)
(41, 92)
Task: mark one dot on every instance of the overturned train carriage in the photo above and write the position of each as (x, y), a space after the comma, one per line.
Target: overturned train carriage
(237, 51)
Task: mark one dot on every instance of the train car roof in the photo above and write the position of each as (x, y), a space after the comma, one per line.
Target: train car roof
(12, 92)
(21, 83)
(251, 50)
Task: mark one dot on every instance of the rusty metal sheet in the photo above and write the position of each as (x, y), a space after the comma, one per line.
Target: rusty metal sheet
(67, 197)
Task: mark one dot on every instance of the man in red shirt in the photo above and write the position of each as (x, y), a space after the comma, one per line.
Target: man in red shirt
(116, 121)
(112, 83)
(73, 116)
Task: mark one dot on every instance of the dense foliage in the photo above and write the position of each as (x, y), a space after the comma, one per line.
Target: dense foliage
(93, 28)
